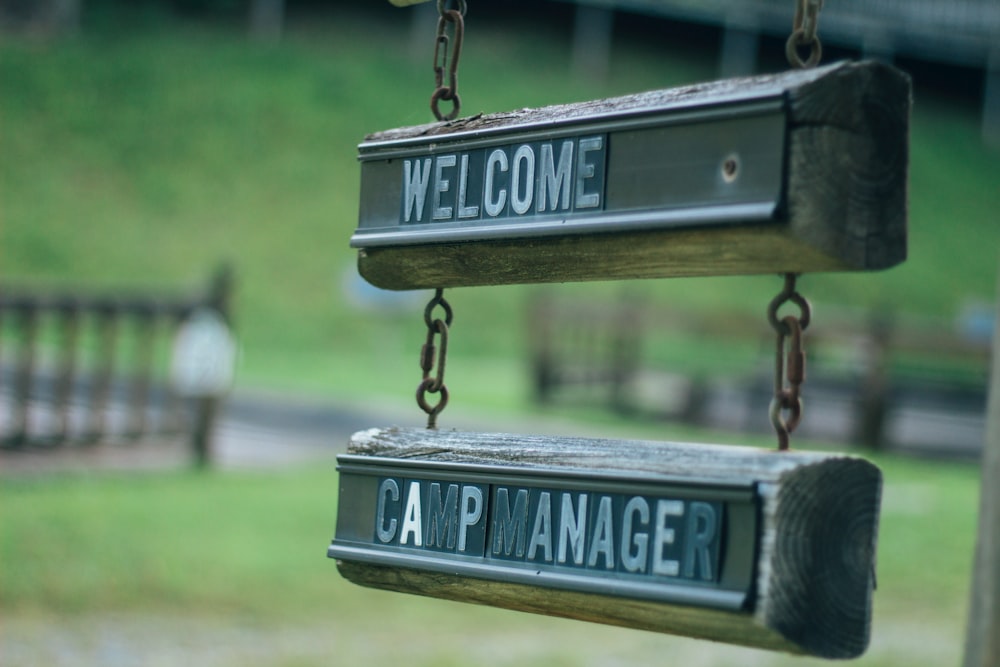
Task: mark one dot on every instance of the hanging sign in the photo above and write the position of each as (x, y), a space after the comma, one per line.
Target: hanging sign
(796, 172)
(726, 543)
(656, 541)
(563, 180)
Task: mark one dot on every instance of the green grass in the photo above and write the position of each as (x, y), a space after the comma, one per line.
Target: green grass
(143, 156)
(170, 542)
(249, 548)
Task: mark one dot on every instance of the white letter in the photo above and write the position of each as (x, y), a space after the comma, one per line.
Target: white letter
(411, 517)
(470, 516)
(463, 185)
(442, 185)
(665, 536)
(555, 181)
(443, 516)
(635, 562)
(585, 170)
(520, 205)
(541, 534)
(601, 539)
(495, 207)
(509, 526)
(573, 528)
(415, 187)
(386, 534)
(697, 542)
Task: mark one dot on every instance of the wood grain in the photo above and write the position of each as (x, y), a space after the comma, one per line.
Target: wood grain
(982, 639)
(814, 572)
(813, 104)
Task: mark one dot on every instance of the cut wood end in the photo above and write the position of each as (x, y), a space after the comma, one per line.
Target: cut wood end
(817, 571)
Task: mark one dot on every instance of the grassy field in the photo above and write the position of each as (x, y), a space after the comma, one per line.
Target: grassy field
(185, 557)
(143, 156)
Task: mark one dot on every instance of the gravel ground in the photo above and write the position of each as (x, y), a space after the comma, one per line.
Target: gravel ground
(168, 641)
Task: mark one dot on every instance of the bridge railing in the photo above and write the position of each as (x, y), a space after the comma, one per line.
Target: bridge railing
(79, 369)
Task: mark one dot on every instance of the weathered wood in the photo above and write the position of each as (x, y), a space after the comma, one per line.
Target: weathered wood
(982, 640)
(24, 378)
(142, 369)
(813, 553)
(841, 204)
(69, 330)
(100, 397)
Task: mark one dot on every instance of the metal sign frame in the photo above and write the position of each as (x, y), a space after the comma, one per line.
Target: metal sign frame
(618, 171)
(711, 568)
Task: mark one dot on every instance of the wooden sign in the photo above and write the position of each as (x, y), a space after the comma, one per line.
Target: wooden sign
(765, 549)
(795, 172)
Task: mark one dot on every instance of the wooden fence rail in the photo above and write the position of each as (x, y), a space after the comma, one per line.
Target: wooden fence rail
(584, 345)
(602, 349)
(78, 369)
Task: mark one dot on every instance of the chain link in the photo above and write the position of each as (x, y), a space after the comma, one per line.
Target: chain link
(804, 27)
(789, 361)
(443, 60)
(436, 327)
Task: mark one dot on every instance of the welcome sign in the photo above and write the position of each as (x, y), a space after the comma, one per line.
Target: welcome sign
(527, 180)
(786, 173)
(604, 173)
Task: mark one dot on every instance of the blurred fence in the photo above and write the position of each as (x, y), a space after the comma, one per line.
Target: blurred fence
(585, 344)
(958, 31)
(873, 379)
(78, 370)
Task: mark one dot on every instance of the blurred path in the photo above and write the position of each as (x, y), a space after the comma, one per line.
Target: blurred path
(259, 429)
(266, 429)
(262, 428)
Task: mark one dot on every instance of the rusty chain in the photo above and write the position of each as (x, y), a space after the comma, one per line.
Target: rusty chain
(804, 27)
(790, 361)
(445, 61)
(428, 355)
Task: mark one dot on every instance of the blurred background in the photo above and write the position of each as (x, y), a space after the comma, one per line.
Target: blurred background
(166, 157)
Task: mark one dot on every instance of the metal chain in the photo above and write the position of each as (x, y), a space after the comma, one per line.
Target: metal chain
(434, 384)
(790, 361)
(804, 27)
(443, 60)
